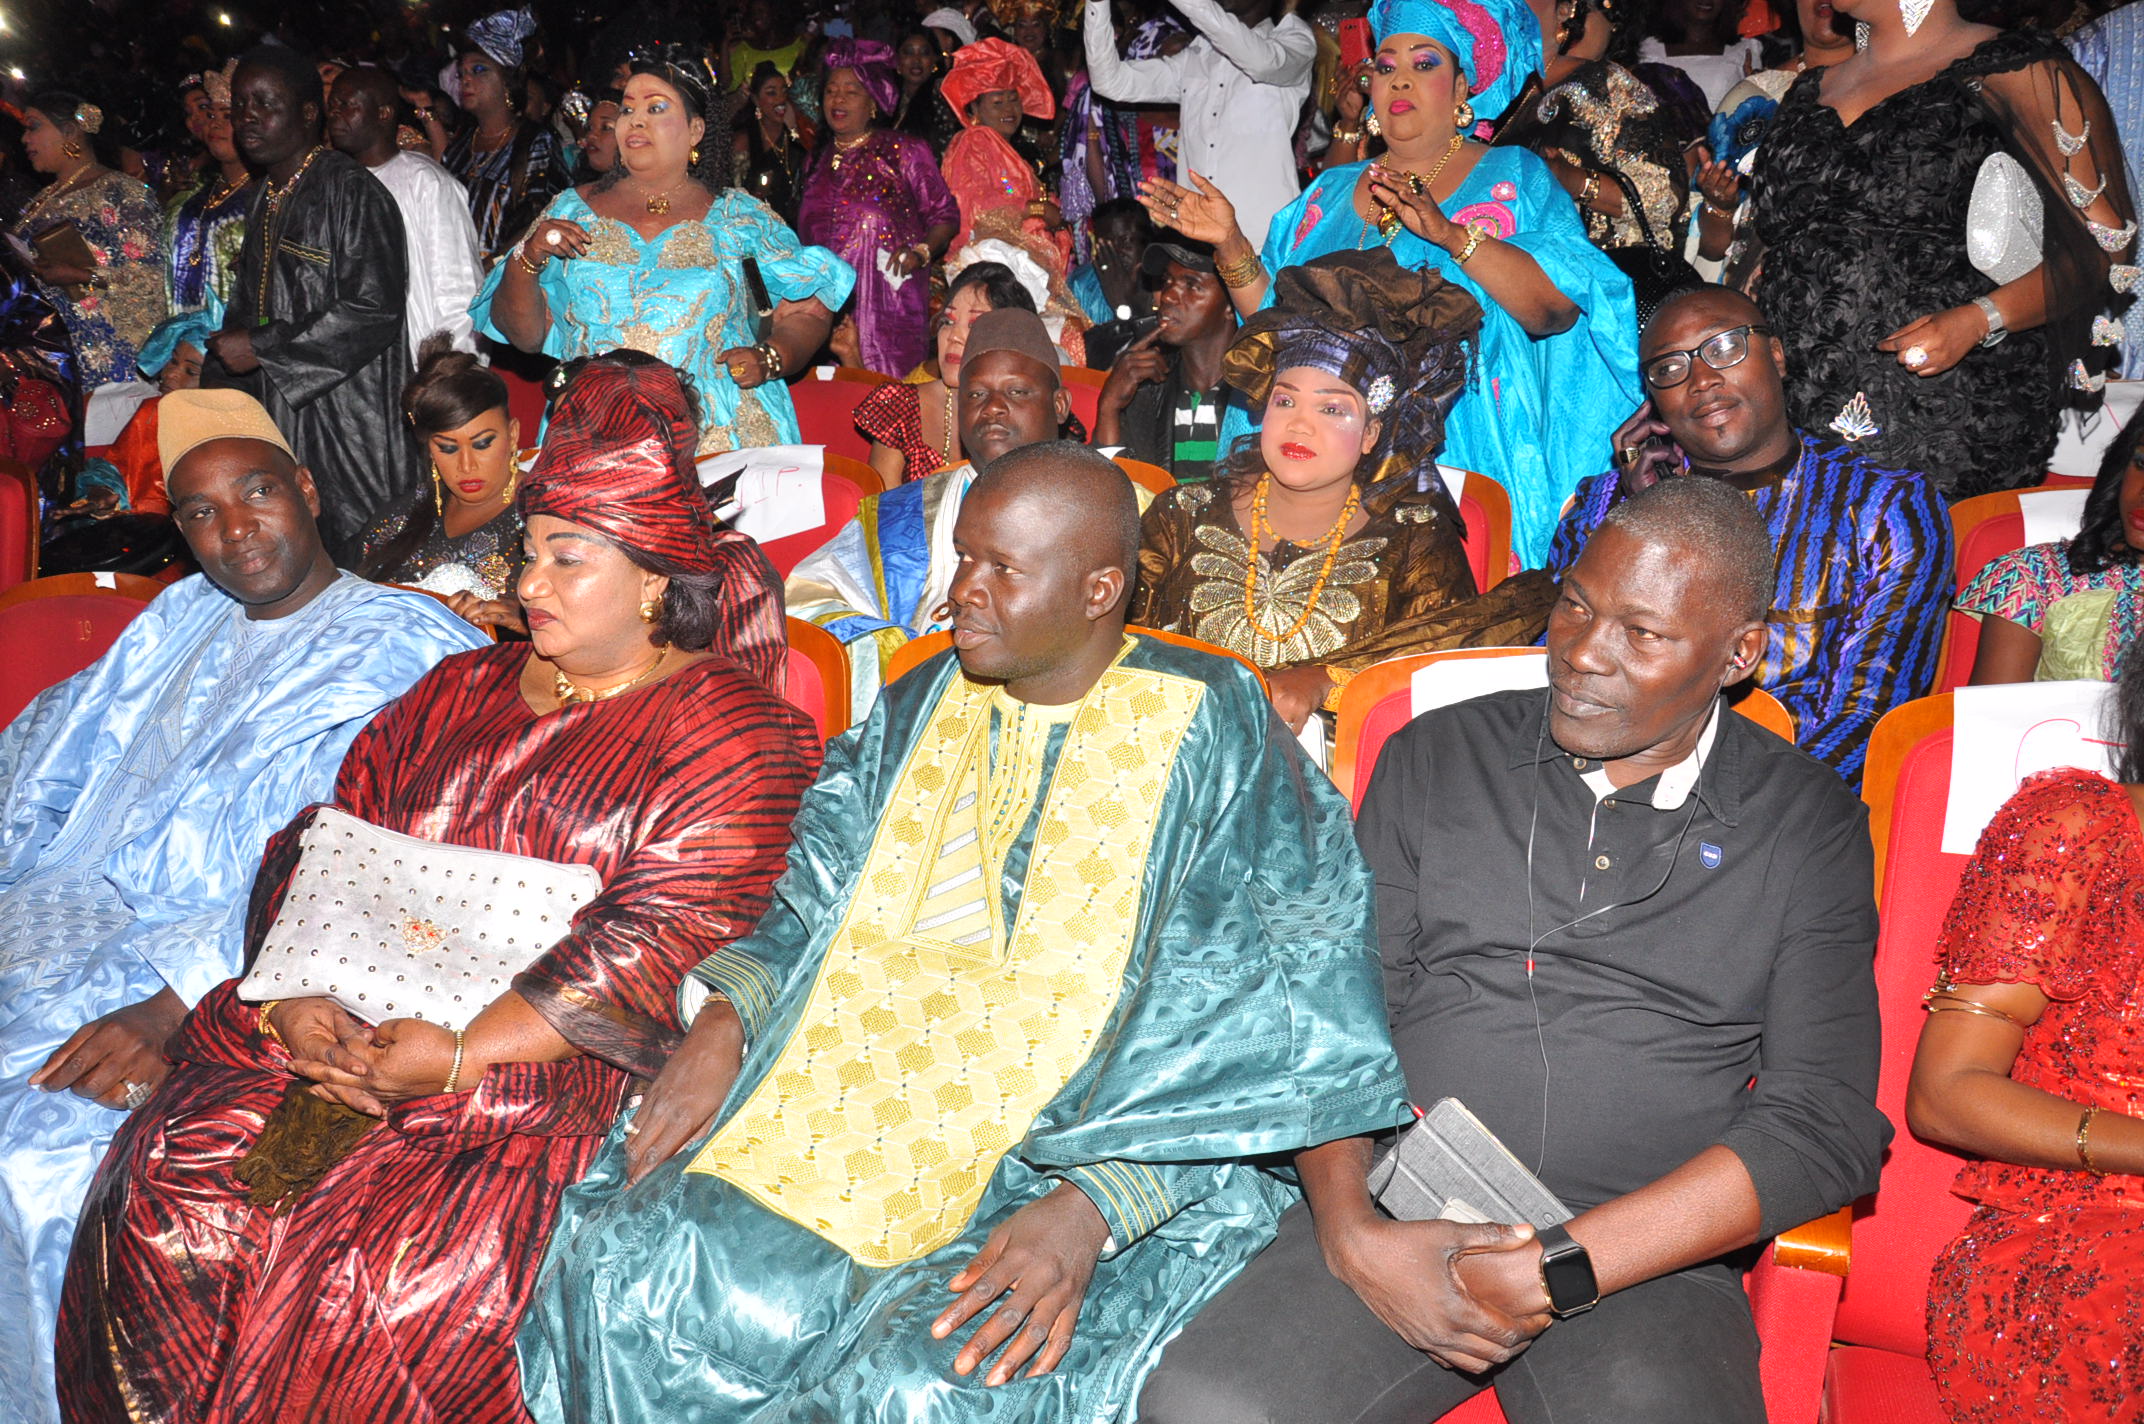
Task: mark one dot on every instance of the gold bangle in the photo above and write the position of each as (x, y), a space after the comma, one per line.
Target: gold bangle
(1943, 1001)
(1348, 135)
(454, 1074)
(1473, 241)
(534, 269)
(268, 1026)
(2084, 1142)
(1243, 272)
(1589, 190)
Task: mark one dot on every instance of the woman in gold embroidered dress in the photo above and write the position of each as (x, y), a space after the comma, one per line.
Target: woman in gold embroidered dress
(1328, 542)
(652, 257)
(109, 307)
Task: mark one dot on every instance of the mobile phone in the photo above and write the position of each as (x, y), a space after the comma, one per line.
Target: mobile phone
(1354, 43)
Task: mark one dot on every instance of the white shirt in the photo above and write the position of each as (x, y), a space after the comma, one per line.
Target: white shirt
(1239, 90)
(1714, 74)
(444, 268)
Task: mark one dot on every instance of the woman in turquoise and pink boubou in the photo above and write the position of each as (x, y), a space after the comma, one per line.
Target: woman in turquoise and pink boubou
(1559, 329)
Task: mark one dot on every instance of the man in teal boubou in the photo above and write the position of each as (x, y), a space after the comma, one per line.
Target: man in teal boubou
(1071, 938)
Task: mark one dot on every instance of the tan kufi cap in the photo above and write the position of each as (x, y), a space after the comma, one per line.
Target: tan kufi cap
(1009, 329)
(185, 419)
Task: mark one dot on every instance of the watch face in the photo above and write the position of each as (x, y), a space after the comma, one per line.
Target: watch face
(1568, 1272)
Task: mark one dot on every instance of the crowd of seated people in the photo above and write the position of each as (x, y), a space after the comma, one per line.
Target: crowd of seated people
(458, 966)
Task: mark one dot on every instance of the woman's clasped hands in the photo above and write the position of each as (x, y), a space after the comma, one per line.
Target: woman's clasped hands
(365, 1067)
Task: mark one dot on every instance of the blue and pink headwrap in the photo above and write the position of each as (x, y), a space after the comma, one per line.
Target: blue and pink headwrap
(1497, 42)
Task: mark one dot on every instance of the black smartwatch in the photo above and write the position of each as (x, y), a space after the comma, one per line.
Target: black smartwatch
(1566, 1274)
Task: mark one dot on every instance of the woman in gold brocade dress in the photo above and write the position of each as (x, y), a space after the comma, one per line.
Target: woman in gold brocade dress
(1328, 541)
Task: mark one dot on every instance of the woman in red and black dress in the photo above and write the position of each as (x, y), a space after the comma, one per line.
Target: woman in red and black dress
(314, 1217)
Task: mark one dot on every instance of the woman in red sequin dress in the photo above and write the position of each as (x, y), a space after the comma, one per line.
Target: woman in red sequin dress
(2032, 1059)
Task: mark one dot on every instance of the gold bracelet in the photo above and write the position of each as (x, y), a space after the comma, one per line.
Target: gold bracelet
(1941, 1001)
(1341, 677)
(2084, 1142)
(268, 1025)
(1243, 272)
(1473, 241)
(454, 1074)
(534, 269)
(1348, 135)
(1588, 191)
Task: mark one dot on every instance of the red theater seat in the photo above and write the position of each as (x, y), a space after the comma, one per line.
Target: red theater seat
(1878, 1373)
(52, 628)
(826, 408)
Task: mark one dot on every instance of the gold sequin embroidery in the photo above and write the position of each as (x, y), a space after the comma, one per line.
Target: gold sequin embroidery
(912, 1070)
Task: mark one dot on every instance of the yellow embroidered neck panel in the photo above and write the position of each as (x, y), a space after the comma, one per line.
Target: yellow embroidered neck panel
(919, 1062)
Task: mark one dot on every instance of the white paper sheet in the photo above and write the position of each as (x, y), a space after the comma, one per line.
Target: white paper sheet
(1457, 679)
(2004, 733)
(2051, 514)
(780, 490)
(1455, 481)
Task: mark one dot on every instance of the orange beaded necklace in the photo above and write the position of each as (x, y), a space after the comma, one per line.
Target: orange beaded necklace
(1259, 529)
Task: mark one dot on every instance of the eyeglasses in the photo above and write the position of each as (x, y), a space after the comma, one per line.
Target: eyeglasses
(1720, 350)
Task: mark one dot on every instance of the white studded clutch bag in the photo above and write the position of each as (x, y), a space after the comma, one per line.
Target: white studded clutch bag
(394, 926)
(2002, 220)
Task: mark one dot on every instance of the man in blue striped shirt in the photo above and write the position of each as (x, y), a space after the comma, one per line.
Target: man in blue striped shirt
(1864, 554)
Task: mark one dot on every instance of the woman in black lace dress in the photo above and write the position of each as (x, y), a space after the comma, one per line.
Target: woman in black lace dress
(1895, 341)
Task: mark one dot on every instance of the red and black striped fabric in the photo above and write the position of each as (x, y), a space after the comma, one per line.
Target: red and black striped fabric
(617, 458)
(391, 1292)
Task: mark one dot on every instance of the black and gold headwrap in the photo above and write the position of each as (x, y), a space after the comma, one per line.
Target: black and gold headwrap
(1400, 337)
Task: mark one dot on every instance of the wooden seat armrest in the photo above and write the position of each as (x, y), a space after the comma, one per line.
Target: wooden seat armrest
(1826, 1244)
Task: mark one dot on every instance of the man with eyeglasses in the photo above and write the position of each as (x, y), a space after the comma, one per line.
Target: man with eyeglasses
(1864, 554)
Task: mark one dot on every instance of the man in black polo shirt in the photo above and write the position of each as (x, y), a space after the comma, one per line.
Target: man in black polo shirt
(1633, 933)
(1162, 401)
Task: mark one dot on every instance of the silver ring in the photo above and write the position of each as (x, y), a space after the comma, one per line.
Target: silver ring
(137, 1094)
(553, 238)
(1915, 357)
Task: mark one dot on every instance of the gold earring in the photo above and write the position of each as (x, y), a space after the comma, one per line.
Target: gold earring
(650, 610)
(692, 159)
(1369, 121)
(439, 492)
(513, 479)
(1463, 116)
(73, 150)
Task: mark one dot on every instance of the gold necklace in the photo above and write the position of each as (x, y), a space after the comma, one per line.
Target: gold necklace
(1388, 219)
(60, 188)
(569, 692)
(950, 432)
(277, 192)
(659, 203)
(843, 150)
(1251, 562)
(270, 209)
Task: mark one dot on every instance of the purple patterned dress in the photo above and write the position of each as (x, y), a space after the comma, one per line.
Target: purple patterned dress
(880, 197)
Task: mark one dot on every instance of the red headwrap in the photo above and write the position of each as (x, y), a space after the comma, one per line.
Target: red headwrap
(987, 66)
(618, 459)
